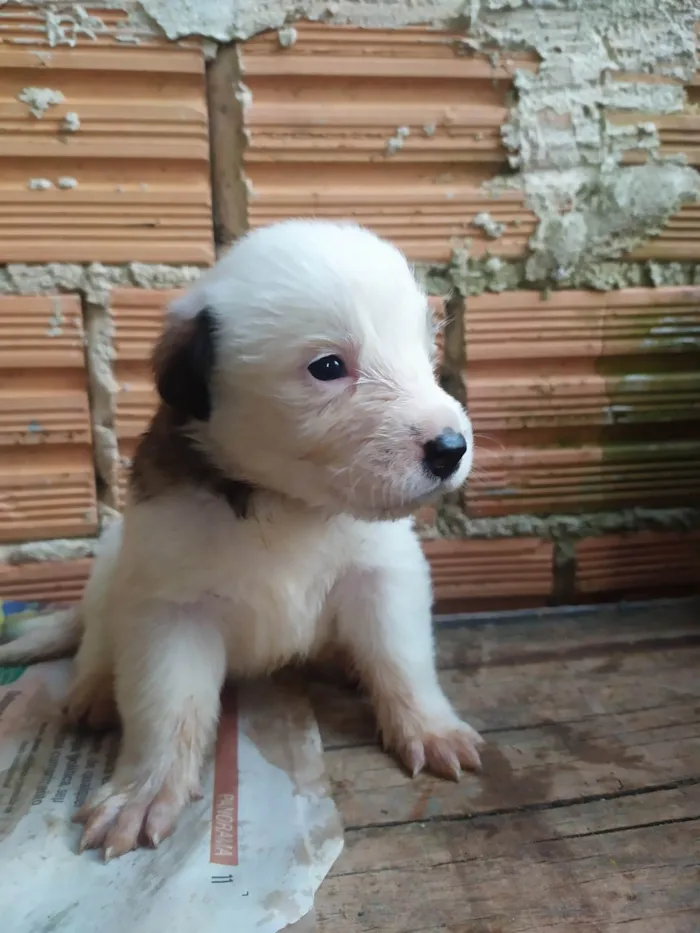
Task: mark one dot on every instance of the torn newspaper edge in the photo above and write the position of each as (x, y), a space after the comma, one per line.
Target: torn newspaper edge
(248, 857)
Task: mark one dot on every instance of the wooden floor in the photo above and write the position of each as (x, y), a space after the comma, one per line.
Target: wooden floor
(587, 814)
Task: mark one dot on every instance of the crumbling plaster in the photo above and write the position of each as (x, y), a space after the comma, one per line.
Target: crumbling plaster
(451, 522)
(467, 276)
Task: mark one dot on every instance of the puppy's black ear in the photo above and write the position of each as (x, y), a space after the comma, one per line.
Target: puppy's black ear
(183, 360)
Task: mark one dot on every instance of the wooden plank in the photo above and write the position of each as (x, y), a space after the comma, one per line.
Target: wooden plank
(627, 865)
(501, 698)
(587, 814)
(560, 668)
(493, 639)
(605, 755)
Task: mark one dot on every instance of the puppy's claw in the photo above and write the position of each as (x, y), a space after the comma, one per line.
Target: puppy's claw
(415, 757)
(443, 760)
(118, 821)
(92, 838)
(444, 752)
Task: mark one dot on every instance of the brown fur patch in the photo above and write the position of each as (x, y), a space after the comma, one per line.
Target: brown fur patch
(183, 360)
(167, 458)
(174, 338)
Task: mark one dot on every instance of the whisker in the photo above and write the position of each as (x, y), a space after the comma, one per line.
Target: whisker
(494, 440)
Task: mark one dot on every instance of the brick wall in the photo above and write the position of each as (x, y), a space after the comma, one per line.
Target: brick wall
(105, 206)
(583, 388)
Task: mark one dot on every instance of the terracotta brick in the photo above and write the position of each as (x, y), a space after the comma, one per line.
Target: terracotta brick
(679, 134)
(47, 485)
(679, 240)
(139, 158)
(466, 574)
(584, 400)
(325, 111)
(48, 582)
(582, 478)
(471, 573)
(581, 324)
(637, 564)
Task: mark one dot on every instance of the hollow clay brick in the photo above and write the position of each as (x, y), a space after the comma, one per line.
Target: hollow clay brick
(679, 135)
(637, 564)
(117, 168)
(49, 582)
(47, 485)
(469, 574)
(474, 573)
(583, 401)
(679, 240)
(400, 129)
(396, 129)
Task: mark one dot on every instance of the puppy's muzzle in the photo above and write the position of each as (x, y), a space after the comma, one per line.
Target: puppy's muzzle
(443, 454)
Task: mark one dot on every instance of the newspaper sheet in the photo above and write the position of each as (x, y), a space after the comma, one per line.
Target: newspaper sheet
(248, 858)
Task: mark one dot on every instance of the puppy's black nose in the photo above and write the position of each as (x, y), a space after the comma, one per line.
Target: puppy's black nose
(443, 454)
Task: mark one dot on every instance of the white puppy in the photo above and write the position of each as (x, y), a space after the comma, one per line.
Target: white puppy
(300, 424)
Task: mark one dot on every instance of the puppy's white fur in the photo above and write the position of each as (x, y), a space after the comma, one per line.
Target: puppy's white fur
(184, 591)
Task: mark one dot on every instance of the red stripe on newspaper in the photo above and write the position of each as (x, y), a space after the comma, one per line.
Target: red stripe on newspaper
(224, 818)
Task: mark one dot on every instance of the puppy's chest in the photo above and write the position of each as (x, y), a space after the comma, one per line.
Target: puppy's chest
(269, 594)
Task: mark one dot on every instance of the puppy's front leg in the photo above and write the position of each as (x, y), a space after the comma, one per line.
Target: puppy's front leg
(170, 665)
(384, 618)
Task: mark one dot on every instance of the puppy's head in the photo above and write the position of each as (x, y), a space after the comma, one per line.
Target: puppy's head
(303, 364)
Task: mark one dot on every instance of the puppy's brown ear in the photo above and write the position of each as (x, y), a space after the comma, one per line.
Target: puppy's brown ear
(183, 360)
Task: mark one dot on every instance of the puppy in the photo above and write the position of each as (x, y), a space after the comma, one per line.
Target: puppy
(300, 423)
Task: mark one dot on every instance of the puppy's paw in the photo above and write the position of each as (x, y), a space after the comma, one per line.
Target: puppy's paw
(126, 814)
(90, 702)
(444, 749)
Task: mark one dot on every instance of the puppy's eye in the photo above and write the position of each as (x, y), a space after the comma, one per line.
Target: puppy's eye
(327, 368)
